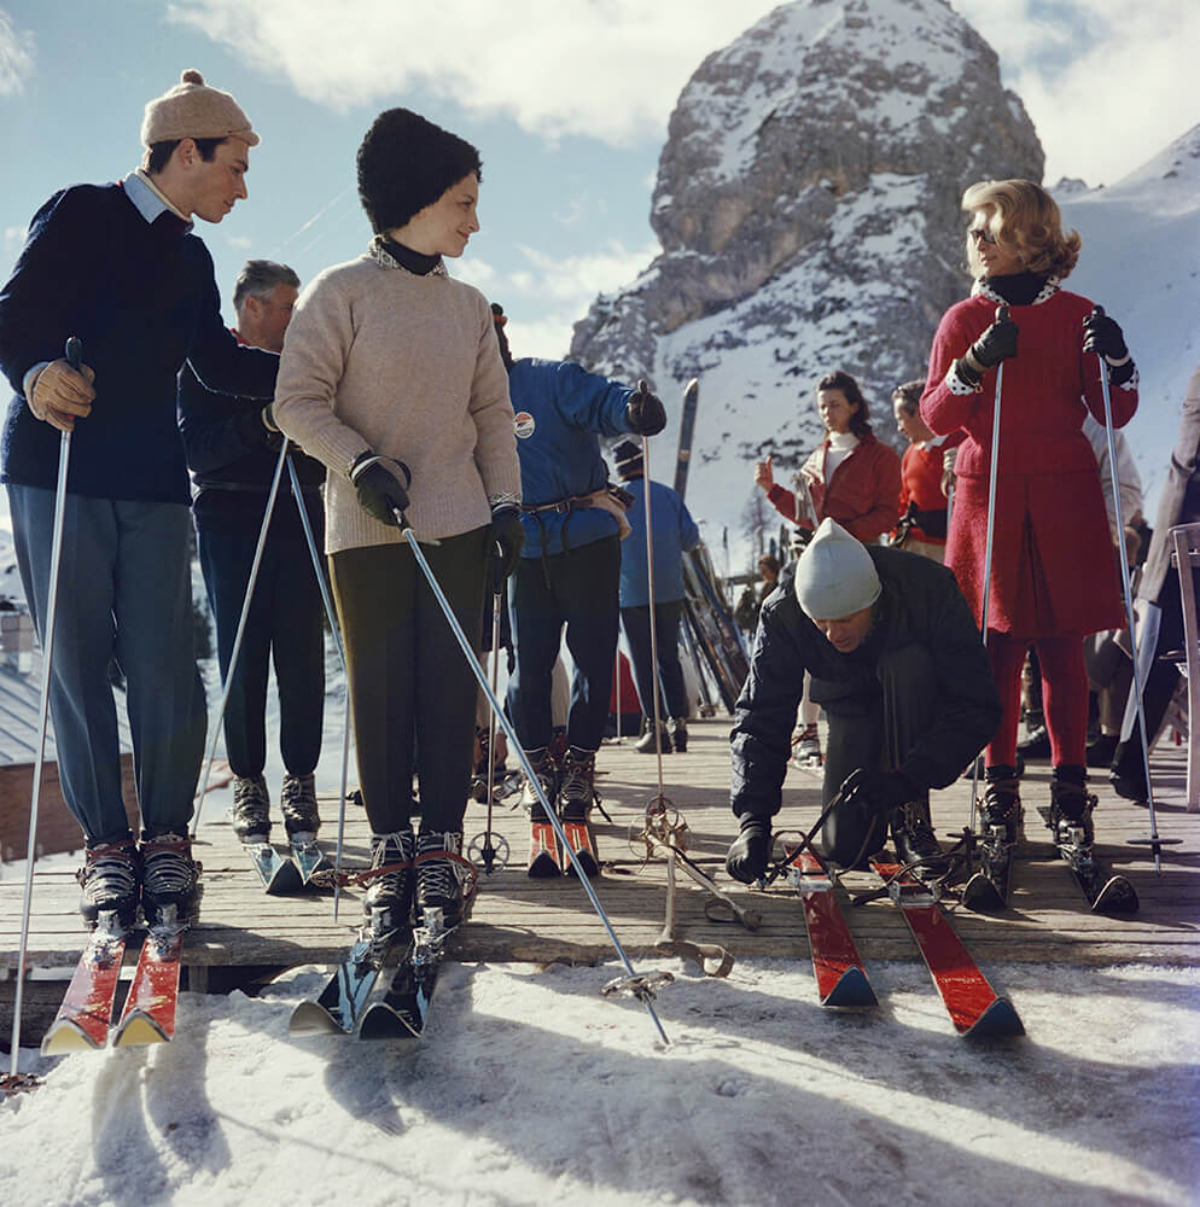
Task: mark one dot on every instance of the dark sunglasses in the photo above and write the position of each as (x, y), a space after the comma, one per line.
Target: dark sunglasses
(981, 234)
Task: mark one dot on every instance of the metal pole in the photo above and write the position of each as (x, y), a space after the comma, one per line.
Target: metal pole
(515, 744)
(237, 641)
(319, 570)
(1138, 682)
(74, 355)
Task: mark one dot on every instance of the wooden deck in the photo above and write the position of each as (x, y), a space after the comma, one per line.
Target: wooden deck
(519, 919)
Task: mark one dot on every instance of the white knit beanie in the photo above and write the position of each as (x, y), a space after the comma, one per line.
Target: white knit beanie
(194, 110)
(835, 576)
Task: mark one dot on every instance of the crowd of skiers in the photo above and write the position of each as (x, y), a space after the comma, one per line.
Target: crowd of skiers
(417, 426)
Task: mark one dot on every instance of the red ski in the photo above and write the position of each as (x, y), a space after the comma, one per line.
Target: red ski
(86, 1012)
(841, 978)
(579, 838)
(543, 850)
(149, 1014)
(974, 1007)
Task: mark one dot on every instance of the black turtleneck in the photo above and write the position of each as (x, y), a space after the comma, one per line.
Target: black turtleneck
(417, 263)
(1019, 289)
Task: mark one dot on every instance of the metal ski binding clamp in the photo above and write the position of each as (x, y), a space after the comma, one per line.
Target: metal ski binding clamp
(644, 986)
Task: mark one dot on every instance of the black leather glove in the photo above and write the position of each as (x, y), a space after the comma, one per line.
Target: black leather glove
(883, 791)
(508, 532)
(1103, 336)
(750, 851)
(382, 485)
(997, 343)
(645, 412)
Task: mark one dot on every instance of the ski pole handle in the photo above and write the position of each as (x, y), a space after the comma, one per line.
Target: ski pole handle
(73, 352)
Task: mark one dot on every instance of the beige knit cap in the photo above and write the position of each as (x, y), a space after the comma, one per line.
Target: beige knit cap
(835, 576)
(194, 110)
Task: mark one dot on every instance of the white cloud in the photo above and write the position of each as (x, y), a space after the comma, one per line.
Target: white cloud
(16, 56)
(1107, 83)
(611, 69)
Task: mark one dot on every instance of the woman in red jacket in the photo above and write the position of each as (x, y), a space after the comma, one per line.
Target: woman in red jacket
(850, 477)
(1053, 574)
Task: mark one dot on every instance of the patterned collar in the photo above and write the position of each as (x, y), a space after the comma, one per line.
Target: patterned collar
(983, 289)
(385, 259)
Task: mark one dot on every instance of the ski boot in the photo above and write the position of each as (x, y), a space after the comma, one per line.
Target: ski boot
(646, 744)
(750, 851)
(578, 796)
(1070, 818)
(445, 879)
(806, 748)
(677, 728)
(251, 809)
(1000, 810)
(387, 903)
(546, 770)
(479, 774)
(109, 880)
(170, 879)
(916, 846)
(298, 802)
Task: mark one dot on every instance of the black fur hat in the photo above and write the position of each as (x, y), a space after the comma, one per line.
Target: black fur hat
(406, 163)
(627, 457)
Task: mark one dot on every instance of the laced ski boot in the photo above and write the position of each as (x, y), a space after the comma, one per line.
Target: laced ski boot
(677, 728)
(546, 770)
(806, 748)
(1000, 808)
(915, 843)
(387, 903)
(443, 876)
(645, 744)
(251, 809)
(1071, 806)
(298, 803)
(109, 880)
(577, 793)
(479, 775)
(170, 879)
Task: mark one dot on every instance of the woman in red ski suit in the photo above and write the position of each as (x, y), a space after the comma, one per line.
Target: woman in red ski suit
(1053, 573)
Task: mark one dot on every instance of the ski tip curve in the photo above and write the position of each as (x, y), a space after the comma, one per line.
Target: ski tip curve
(999, 1021)
(852, 992)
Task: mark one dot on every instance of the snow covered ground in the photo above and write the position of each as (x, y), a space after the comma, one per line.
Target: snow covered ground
(531, 1088)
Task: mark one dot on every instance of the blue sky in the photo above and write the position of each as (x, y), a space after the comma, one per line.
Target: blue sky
(567, 100)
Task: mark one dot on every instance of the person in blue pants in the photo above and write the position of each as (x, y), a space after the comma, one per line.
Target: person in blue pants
(673, 534)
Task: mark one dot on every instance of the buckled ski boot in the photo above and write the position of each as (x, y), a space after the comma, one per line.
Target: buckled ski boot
(577, 792)
(677, 728)
(387, 903)
(546, 770)
(1000, 808)
(170, 879)
(1071, 806)
(109, 880)
(251, 809)
(444, 878)
(915, 843)
(298, 803)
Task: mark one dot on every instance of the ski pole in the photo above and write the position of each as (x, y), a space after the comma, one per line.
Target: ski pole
(319, 571)
(488, 850)
(658, 806)
(237, 640)
(1154, 842)
(993, 474)
(73, 353)
(640, 989)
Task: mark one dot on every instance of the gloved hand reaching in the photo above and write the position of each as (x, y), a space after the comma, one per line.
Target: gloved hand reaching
(644, 412)
(382, 485)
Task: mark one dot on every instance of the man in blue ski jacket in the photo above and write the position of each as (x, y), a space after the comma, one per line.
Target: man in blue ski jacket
(674, 533)
(570, 568)
(117, 266)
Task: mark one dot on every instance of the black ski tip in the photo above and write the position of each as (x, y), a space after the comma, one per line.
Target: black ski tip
(999, 1021)
(852, 992)
(310, 1019)
(1116, 896)
(544, 867)
(591, 869)
(983, 895)
(382, 1022)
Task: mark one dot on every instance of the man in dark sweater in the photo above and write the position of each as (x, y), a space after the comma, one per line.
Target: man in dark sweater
(232, 448)
(117, 266)
(898, 666)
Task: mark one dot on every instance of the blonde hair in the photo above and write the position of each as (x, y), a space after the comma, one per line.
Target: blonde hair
(1023, 217)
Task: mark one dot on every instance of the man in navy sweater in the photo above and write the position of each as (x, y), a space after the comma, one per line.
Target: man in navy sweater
(117, 266)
